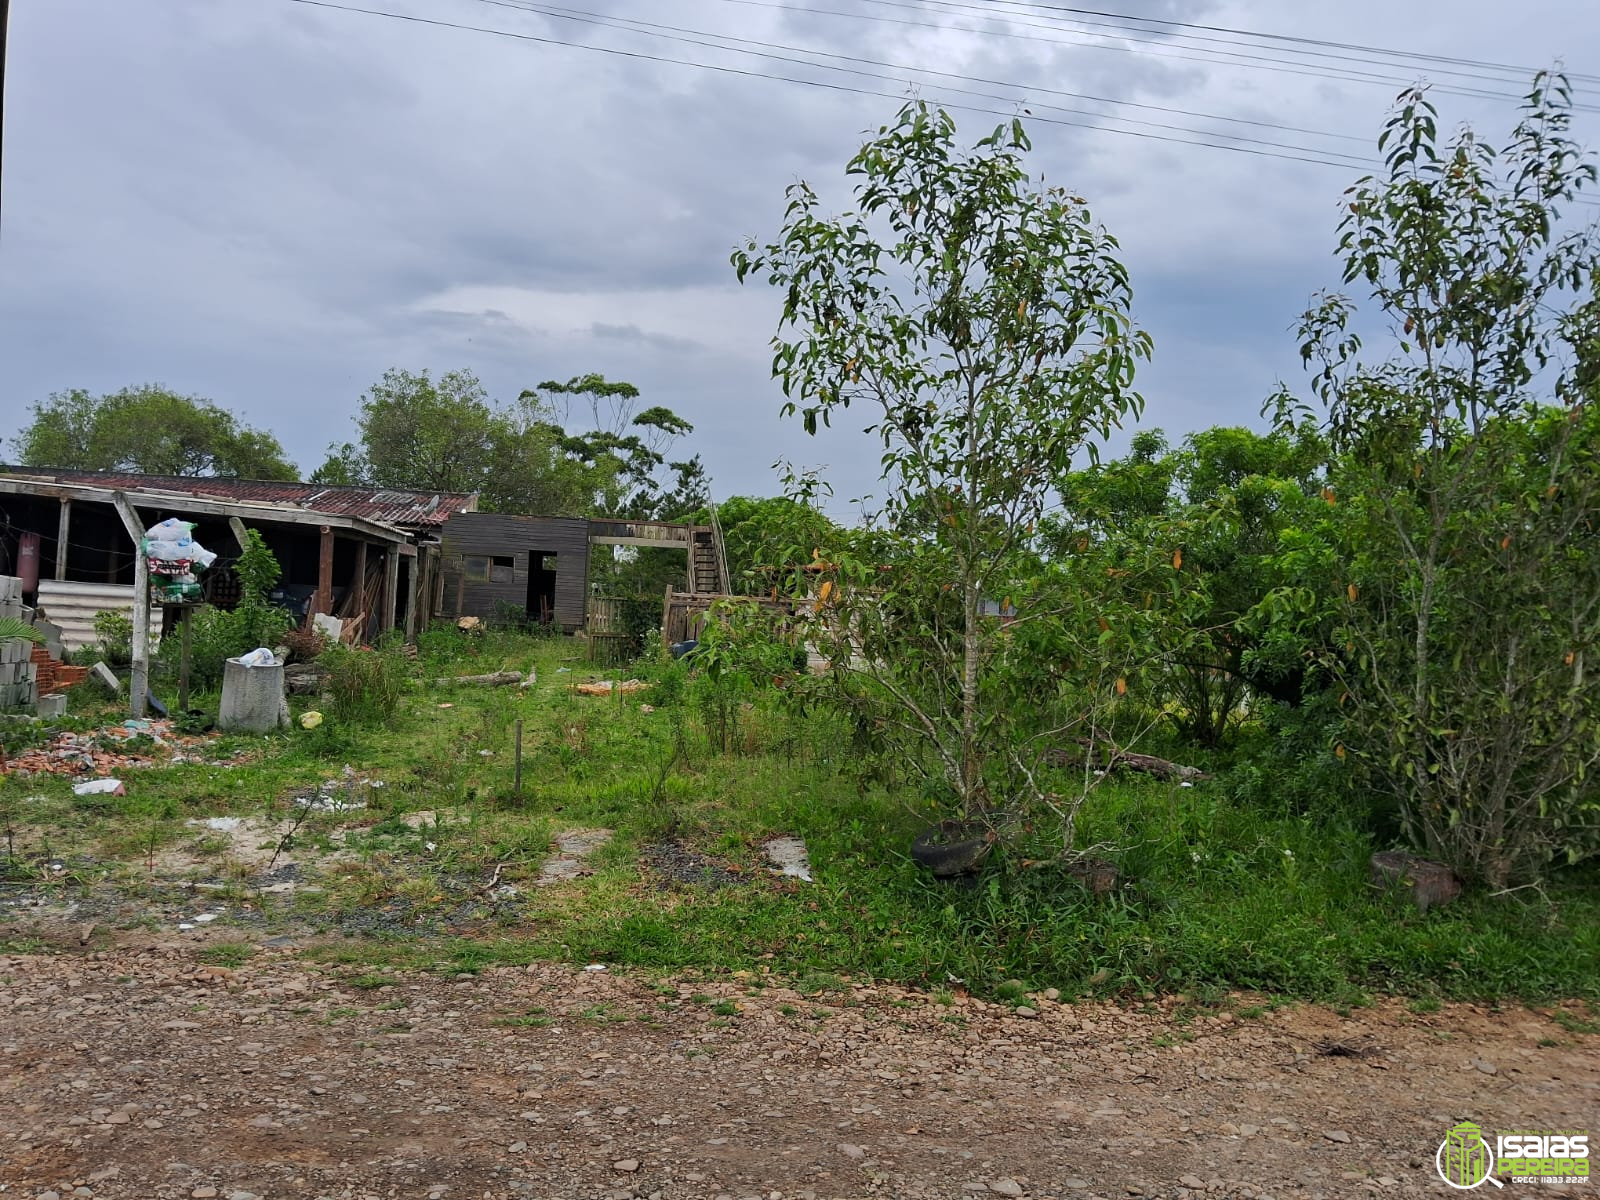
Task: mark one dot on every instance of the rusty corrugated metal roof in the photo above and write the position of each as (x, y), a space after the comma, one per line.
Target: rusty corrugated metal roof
(390, 506)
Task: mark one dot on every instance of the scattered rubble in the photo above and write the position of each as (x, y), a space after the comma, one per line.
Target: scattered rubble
(570, 860)
(111, 749)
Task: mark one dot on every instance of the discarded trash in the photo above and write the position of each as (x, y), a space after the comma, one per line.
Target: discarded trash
(647, 708)
(595, 967)
(221, 824)
(204, 917)
(485, 753)
(155, 705)
(446, 706)
(605, 687)
(310, 720)
(533, 678)
(259, 657)
(100, 787)
(563, 670)
(138, 724)
(184, 925)
(789, 855)
(1186, 783)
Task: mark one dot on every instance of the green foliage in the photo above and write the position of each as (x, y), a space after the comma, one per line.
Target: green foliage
(1233, 536)
(742, 651)
(12, 629)
(985, 321)
(151, 430)
(217, 636)
(364, 684)
(447, 434)
(1470, 457)
(113, 632)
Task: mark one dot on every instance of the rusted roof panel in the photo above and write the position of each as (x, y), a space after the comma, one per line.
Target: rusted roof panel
(389, 506)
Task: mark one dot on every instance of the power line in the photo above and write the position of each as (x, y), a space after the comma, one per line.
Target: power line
(1253, 62)
(698, 38)
(1266, 150)
(1290, 39)
(1290, 154)
(1121, 23)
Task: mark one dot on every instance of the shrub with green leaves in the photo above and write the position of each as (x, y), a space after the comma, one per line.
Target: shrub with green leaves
(113, 633)
(217, 636)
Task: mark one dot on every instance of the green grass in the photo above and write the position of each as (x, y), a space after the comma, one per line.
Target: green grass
(1221, 894)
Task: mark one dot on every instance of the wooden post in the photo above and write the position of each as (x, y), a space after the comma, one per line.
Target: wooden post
(391, 586)
(358, 584)
(516, 777)
(62, 528)
(139, 682)
(239, 535)
(322, 602)
(183, 660)
(414, 588)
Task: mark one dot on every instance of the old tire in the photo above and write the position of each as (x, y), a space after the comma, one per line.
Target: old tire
(952, 848)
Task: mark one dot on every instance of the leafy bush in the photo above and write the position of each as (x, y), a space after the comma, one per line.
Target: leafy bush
(217, 636)
(113, 632)
(364, 685)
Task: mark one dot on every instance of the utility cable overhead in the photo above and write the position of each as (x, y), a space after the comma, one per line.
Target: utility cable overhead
(1064, 17)
(1518, 73)
(1027, 91)
(1288, 153)
(1252, 62)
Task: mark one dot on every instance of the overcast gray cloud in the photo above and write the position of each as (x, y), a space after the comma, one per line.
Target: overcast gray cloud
(269, 203)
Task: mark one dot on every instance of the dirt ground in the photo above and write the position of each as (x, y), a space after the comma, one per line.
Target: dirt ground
(138, 1072)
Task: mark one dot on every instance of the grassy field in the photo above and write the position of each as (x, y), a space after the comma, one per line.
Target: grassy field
(1220, 896)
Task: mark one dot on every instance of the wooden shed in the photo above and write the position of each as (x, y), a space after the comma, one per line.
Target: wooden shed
(495, 562)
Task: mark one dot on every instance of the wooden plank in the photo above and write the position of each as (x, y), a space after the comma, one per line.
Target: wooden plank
(139, 681)
(413, 593)
(322, 601)
(358, 582)
(62, 528)
(239, 534)
(391, 589)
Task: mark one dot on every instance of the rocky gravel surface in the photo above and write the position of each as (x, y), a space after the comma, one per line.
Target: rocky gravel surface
(140, 1072)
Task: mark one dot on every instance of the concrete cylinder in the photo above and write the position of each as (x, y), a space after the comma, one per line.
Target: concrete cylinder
(253, 700)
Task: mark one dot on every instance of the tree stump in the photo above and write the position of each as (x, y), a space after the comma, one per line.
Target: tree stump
(1429, 883)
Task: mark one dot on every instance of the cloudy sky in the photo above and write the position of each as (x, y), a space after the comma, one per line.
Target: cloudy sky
(269, 202)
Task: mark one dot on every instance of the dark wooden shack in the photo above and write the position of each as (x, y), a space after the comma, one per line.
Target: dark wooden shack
(493, 563)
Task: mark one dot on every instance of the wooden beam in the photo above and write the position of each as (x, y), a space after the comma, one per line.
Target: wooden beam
(413, 594)
(391, 589)
(658, 543)
(62, 528)
(139, 682)
(239, 533)
(358, 586)
(322, 602)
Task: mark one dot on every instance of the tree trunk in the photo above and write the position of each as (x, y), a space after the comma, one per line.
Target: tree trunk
(971, 760)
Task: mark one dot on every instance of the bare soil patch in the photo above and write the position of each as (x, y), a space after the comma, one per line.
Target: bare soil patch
(141, 1071)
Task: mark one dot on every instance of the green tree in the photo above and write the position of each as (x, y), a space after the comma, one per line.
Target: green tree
(151, 430)
(984, 320)
(1469, 458)
(1233, 535)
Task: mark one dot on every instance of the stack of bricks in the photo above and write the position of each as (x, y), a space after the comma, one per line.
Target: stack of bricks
(19, 686)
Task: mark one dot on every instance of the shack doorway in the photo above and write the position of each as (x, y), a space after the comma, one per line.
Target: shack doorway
(541, 586)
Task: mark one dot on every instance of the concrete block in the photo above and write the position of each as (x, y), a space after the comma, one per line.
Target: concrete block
(11, 608)
(15, 650)
(54, 705)
(106, 678)
(253, 699)
(10, 588)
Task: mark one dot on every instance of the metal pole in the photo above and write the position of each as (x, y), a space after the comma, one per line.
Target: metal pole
(5, 17)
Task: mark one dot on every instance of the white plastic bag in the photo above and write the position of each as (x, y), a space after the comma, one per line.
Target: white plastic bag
(259, 657)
